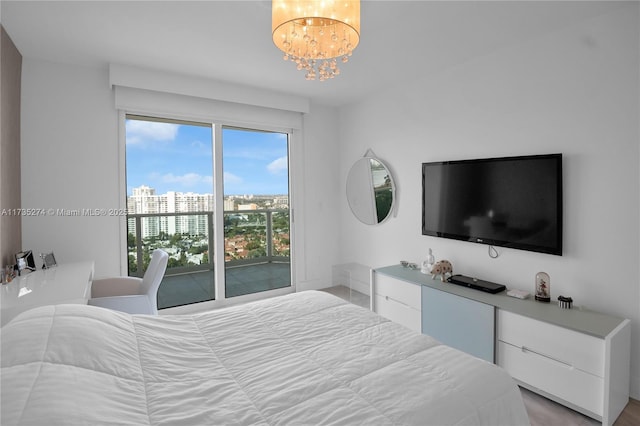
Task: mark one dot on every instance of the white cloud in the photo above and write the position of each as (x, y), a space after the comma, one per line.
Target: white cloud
(278, 166)
(231, 179)
(247, 154)
(146, 131)
(201, 147)
(187, 180)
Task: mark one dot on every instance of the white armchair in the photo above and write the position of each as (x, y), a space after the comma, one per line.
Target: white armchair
(131, 294)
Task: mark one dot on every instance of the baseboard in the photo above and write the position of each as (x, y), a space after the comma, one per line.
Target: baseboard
(312, 285)
(634, 392)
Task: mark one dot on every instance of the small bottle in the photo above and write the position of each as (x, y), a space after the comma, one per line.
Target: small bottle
(427, 265)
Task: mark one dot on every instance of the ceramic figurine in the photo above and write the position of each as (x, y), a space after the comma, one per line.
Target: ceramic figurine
(442, 268)
(427, 265)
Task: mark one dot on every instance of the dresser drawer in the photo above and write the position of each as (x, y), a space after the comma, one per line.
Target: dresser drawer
(561, 380)
(401, 291)
(572, 348)
(398, 312)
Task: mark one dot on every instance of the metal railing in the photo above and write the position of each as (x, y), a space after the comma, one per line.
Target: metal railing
(152, 230)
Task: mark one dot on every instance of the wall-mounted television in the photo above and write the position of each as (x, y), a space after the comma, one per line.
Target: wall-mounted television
(513, 202)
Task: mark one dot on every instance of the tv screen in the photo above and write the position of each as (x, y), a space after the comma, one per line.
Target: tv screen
(511, 202)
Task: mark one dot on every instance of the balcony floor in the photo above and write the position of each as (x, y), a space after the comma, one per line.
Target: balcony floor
(194, 287)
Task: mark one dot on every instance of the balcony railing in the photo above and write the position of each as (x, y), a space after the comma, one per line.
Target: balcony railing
(251, 237)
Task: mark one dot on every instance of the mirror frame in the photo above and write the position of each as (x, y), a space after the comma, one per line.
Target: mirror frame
(365, 215)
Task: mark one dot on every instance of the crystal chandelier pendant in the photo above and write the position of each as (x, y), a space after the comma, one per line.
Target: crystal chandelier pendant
(313, 33)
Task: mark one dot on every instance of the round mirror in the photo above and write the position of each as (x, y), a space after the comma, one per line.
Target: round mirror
(370, 190)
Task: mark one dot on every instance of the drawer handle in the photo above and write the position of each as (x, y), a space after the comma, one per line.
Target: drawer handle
(387, 298)
(526, 349)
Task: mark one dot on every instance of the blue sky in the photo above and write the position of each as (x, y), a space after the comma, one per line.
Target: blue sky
(178, 157)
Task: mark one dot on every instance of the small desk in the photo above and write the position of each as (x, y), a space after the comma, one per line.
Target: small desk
(65, 283)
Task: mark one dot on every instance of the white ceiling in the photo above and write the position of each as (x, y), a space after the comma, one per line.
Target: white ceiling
(231, 40)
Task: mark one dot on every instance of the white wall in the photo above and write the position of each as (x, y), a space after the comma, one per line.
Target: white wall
(322, 196)
(70, 161)
(574, 91)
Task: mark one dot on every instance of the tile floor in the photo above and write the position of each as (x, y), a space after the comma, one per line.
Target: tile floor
(349, 295)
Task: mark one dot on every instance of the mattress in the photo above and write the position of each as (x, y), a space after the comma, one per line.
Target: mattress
(307, 358)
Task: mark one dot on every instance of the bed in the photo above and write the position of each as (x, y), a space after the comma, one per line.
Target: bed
(307, 358)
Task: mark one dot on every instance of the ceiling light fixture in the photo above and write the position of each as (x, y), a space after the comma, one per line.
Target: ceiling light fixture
(314, 33)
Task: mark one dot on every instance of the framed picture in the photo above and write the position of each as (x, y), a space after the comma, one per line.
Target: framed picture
(24, 260)
(48, 260)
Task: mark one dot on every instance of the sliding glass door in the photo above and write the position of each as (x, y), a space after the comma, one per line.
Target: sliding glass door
(169, 172)
(256, 211)
(172, 205)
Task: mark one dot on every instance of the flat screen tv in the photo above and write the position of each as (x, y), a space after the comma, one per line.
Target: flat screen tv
(511, 202)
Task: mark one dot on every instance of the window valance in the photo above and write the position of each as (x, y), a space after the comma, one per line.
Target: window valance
(180, 96)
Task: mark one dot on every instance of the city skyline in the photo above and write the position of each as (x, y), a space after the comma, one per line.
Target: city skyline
(145, 200)
(245, 196)
(172, 157)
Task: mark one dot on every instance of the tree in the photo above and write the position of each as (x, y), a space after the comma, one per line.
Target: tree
(146, 259)
(259, 252)
(253, 245)
(133, 265)
(131, 240)
(197, 249)
(175, 239)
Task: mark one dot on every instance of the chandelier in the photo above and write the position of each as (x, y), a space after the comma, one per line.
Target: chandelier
(316, 33)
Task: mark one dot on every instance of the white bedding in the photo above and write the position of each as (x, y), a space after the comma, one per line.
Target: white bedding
(306, 358)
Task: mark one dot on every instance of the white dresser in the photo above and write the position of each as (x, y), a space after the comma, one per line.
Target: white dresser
(587, 373)
(579, 358)
(398, 300)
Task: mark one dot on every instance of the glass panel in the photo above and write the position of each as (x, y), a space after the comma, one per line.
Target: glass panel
(280, 227)
(370, 191)
(170, 205)
(256, 211)
(382, 188)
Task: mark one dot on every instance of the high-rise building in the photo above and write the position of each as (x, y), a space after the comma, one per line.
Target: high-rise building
(145, 201)
(281, 202)
(229, 204)
(251, 206)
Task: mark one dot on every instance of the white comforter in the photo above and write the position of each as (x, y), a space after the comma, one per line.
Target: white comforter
(302, 359)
